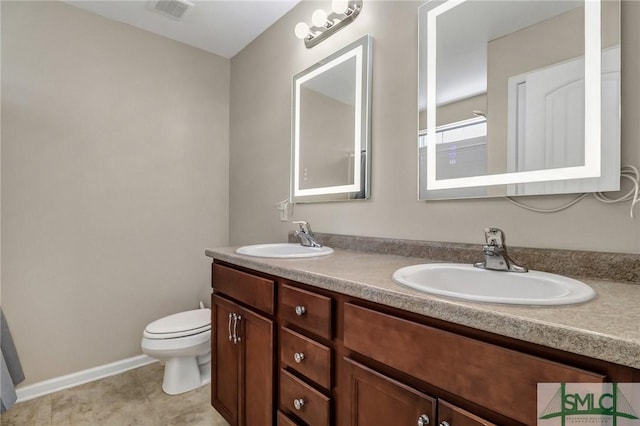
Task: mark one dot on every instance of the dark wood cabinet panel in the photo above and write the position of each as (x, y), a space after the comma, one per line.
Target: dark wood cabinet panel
(303, 401)
(283, 420)
(376, 399)
(500, 379)
(456, 416)
(257, 352)
(306, 356)
(307, 310)
(225, 361)
(242, 364)
(253, 290)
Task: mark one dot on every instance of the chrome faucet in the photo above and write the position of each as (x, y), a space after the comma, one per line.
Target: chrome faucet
(495, 253)
(305, 234)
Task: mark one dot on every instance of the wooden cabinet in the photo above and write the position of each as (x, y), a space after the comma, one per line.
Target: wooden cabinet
(242, 358)
(306, 367)
(339, 360)
(306, 357)
(378, 399)
(307, 310)
(304, 401)
(375, 398)
(225, 360)
(483, 373)
(449, 414)
(283, 420)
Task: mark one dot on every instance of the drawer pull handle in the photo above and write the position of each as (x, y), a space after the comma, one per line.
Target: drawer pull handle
(236, 320)
(298, 403)
(230, 318)
(423, 420)
(298, 357)
(444, 423)
(300, 310)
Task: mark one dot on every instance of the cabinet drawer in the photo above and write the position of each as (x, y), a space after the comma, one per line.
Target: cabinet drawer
(480, 372)
(313, 360)
(307, 310)
(457, 416)
(315, 409)
(283, 420)
(255, 291)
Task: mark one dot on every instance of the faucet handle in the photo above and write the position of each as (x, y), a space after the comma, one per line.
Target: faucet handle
(494, 236)
(304, 226)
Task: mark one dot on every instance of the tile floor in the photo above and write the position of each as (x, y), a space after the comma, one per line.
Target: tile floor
(131, 398)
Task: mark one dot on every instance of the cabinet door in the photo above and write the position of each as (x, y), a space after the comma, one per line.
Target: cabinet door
(376, 399)
(225, 366)
(500, 379)
(257, 352)
(449, 414)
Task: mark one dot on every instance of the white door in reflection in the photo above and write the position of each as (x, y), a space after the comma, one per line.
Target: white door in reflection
(546, 124)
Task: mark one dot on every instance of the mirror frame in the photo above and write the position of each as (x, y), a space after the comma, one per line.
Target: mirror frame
(360, 189)
(592, 166)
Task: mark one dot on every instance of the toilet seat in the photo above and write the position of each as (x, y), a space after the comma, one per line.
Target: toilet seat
(179, 325)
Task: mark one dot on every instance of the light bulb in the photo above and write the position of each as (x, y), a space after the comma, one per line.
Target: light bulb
(319, 18)
(339, 6)
(301, 30)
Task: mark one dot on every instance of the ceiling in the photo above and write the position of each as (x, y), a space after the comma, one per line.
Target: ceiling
(223, 27)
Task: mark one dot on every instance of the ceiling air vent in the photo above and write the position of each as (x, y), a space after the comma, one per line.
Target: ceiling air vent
(174, 9)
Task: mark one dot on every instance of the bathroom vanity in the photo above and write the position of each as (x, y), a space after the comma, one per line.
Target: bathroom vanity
(333, 341)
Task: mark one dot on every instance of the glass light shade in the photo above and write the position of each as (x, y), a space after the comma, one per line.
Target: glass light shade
(339, 6)
(301, 30)
(319, 18)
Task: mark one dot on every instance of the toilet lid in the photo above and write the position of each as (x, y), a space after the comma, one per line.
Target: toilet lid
(191, 322)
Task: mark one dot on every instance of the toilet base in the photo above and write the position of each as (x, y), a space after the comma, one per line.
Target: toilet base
(183, 374)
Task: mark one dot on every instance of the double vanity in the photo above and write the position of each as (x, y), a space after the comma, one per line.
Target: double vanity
(333, 340)
(370, 332)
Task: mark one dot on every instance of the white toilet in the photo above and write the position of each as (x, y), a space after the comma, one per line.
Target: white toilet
(183, 342)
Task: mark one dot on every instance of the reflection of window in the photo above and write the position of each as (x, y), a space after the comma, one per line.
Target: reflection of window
(461, 149)
(459, 131)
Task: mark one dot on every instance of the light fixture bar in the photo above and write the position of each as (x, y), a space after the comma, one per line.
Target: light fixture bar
(331, 27)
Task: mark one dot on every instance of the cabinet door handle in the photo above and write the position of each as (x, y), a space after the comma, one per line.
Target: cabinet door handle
(229, 326)
(298, 357)
(236, 320)
(298, 403)
(300, 310)
(444, 423)
(424, 420)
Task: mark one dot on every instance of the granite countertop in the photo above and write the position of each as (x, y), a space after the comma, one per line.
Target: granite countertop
(606, 328)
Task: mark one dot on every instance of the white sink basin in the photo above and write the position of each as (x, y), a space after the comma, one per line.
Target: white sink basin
(284, 250)
(467, 282)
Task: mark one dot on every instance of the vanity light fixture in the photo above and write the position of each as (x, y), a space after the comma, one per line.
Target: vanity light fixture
(343, 13)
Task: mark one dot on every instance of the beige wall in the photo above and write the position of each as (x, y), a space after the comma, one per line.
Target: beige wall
(260, 138)
(114, 180)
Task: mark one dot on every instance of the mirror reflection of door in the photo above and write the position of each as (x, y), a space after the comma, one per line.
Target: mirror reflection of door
(547, 129)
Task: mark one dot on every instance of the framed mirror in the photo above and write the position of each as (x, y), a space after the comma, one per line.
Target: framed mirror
(331, 135)
(524, 101)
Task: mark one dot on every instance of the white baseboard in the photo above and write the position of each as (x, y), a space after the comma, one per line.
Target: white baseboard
(81, 377)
